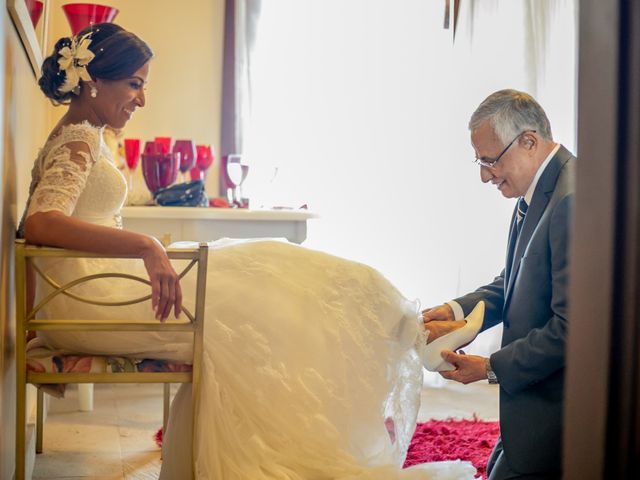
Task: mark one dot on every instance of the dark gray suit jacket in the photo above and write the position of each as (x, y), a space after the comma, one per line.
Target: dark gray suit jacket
(530, 298)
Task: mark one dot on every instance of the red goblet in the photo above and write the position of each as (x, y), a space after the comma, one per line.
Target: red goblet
(165, 143)
(168, 166)
(159, 169)
(81, 15)
(132, 156)
(152, 148)
(150, 172)
(187, 154)
(196, 174)
(204, 158)
(35, 10)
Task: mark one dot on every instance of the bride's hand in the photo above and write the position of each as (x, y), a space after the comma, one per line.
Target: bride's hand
(165, 285)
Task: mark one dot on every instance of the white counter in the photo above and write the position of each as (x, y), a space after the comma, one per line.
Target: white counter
(170, 224)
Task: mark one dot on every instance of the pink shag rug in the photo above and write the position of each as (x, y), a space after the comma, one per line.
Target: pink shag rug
(158, 437)
(470, 440)
(437, 440)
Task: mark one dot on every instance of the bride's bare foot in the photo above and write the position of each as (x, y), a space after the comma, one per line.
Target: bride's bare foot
(449, 335)
(438, 328)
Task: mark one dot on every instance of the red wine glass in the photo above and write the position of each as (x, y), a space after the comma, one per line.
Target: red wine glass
(132, 156)
(204, 157)
(165, 143)
(196, 174)
(168, 166)
(150, 172)
(158, 169)
(187, 154)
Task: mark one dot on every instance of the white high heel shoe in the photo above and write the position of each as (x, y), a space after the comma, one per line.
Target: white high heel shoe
(430, 354)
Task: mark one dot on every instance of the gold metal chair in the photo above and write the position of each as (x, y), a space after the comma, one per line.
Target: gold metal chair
(26, 321)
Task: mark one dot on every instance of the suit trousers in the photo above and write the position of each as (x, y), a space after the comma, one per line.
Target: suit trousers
(499, 469)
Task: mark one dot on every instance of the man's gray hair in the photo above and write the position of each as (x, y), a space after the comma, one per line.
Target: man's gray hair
(511, 112)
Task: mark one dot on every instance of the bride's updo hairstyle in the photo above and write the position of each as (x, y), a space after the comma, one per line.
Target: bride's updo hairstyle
(118, 54)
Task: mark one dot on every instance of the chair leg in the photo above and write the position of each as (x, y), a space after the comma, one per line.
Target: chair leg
(21, 425)
(165, 406)
(85, 397)
(39, 418)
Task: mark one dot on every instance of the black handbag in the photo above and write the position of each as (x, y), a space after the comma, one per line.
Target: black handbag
(189, 194)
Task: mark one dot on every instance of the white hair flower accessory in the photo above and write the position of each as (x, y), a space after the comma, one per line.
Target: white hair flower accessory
(73, 61)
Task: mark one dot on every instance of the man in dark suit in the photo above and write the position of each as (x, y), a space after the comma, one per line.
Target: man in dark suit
(511, 136)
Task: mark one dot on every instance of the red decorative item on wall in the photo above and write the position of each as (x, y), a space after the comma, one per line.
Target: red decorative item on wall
(81, 15)
(35, 10)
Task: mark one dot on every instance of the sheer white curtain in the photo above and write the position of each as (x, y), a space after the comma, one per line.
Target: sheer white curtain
(360, 110)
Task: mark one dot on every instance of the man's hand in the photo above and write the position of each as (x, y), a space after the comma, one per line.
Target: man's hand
(469, 368)
(441, 312)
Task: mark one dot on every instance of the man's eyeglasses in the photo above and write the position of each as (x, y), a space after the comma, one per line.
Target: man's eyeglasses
(491, 162)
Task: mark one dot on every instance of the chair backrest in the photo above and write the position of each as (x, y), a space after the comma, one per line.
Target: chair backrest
(26, 322)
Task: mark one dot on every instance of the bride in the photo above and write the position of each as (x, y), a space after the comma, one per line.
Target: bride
(310, 369)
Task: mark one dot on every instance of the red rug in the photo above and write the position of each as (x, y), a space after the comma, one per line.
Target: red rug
(437, 440)
(470, 440)
(158, 437)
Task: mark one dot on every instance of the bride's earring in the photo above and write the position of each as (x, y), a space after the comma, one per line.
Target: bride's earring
(94, 91)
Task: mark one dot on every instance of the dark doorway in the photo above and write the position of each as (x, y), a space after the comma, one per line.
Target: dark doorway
(602, 411)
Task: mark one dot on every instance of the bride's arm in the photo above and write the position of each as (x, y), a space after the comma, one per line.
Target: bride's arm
(54, 228)
(49, 219)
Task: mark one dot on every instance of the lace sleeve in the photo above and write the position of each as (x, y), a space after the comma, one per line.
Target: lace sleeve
(63, 175)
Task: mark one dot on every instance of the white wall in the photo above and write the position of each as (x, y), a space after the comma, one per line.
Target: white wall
(365, 117)
(24, 126)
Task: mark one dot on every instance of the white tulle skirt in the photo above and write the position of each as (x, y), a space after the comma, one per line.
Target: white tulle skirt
(309, 369)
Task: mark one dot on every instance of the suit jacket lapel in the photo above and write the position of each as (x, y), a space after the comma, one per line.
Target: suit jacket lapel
(539, 201)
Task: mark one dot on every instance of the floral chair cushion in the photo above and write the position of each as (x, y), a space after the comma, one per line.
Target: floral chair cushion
(41, 359)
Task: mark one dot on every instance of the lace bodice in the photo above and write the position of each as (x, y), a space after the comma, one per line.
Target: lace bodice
(75, 174)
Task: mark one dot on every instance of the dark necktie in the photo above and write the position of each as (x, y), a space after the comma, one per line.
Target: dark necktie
(522, 211)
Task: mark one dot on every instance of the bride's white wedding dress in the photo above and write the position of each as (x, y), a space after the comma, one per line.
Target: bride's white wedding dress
(310, 369)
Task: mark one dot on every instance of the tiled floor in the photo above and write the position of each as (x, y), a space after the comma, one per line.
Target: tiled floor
(452, 399)
(114, 442)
